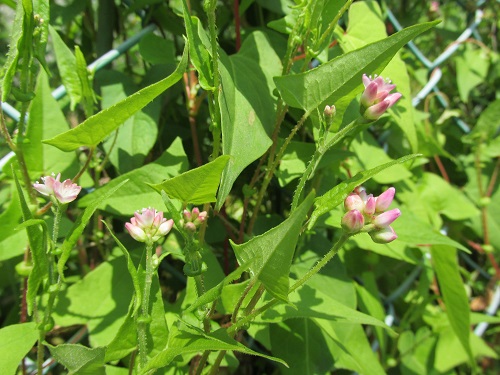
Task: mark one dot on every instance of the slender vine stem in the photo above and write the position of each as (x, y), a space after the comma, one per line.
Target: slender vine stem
(270, 171)
(318, 154)
(55, 284)
(210, 6)
(144, 319)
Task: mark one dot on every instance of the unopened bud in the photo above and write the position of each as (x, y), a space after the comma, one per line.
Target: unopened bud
(353, 221)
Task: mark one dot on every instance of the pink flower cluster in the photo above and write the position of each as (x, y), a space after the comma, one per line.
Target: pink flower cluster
(148, 225)
(376, 98)
(366, 213)
(194, 218)
(64, 192)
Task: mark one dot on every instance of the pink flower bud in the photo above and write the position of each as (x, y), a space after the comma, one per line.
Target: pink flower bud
(187, 215)
(376, 99)
(330, 111)
(353, 221)
(385, 199)
(370, 205)
(384, 235)
(136, 232)
(386, 218)
(354, 202)
(193, 218)
(190, 226)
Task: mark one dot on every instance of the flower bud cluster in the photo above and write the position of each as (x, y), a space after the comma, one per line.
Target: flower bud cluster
(64, 192)
(376, 98)
(194, 218)
(148, 225)
(366, 213)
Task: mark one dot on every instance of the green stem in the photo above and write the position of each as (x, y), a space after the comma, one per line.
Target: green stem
(318, 154)
(333, 251)
(247, 290)
(54, 288)
(333, 24)
(210, 6)
(144, 318)
(270, 172)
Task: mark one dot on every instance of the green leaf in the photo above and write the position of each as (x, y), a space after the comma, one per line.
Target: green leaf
(369, 155)
(416, 350)
(131, 269)
(336, 196)
(125, 341)
(66, 63)
(247, 106)
(487, 124)
(129, 145)
(149, 46)
(188, 340)
(305, 337)
(198, 50)
(451, 286)
(78, 227)
(96, 128)
(37, 247)
(196, 186)
(331, 81)
(137, 194)
(367, 25)
(17, 44)
(12, 243)
(79, 359)
(311, 303)
(370, 303)
(273, 251)
(100, 301)
(352, 349)
(470, 75)
(215, 292)
(448, 342)
(15, 342)
(46, 120)
(415, 232)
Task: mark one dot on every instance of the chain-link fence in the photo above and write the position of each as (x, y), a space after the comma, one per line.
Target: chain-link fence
(431, 87)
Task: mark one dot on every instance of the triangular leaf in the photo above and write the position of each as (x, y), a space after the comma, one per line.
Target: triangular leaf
(247, 106)
(79, 226)
(79, 359)
(196, 186)
(189, 340)
(96, 128)
(273, 252)
(15, 342)
(341, 76)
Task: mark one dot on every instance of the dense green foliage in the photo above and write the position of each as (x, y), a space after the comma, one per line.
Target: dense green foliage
(216, 229)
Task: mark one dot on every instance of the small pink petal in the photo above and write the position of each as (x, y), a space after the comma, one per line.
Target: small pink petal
(66, 191)
(393, 98)
(370, 205)
(385, 219)
(136, 232)
(354, 202)
(376, 110)
(385, 199)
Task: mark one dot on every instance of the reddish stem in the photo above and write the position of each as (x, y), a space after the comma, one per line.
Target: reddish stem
(441, 168)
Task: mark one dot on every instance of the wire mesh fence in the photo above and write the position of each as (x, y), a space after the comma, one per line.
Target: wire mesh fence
(432, 87)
